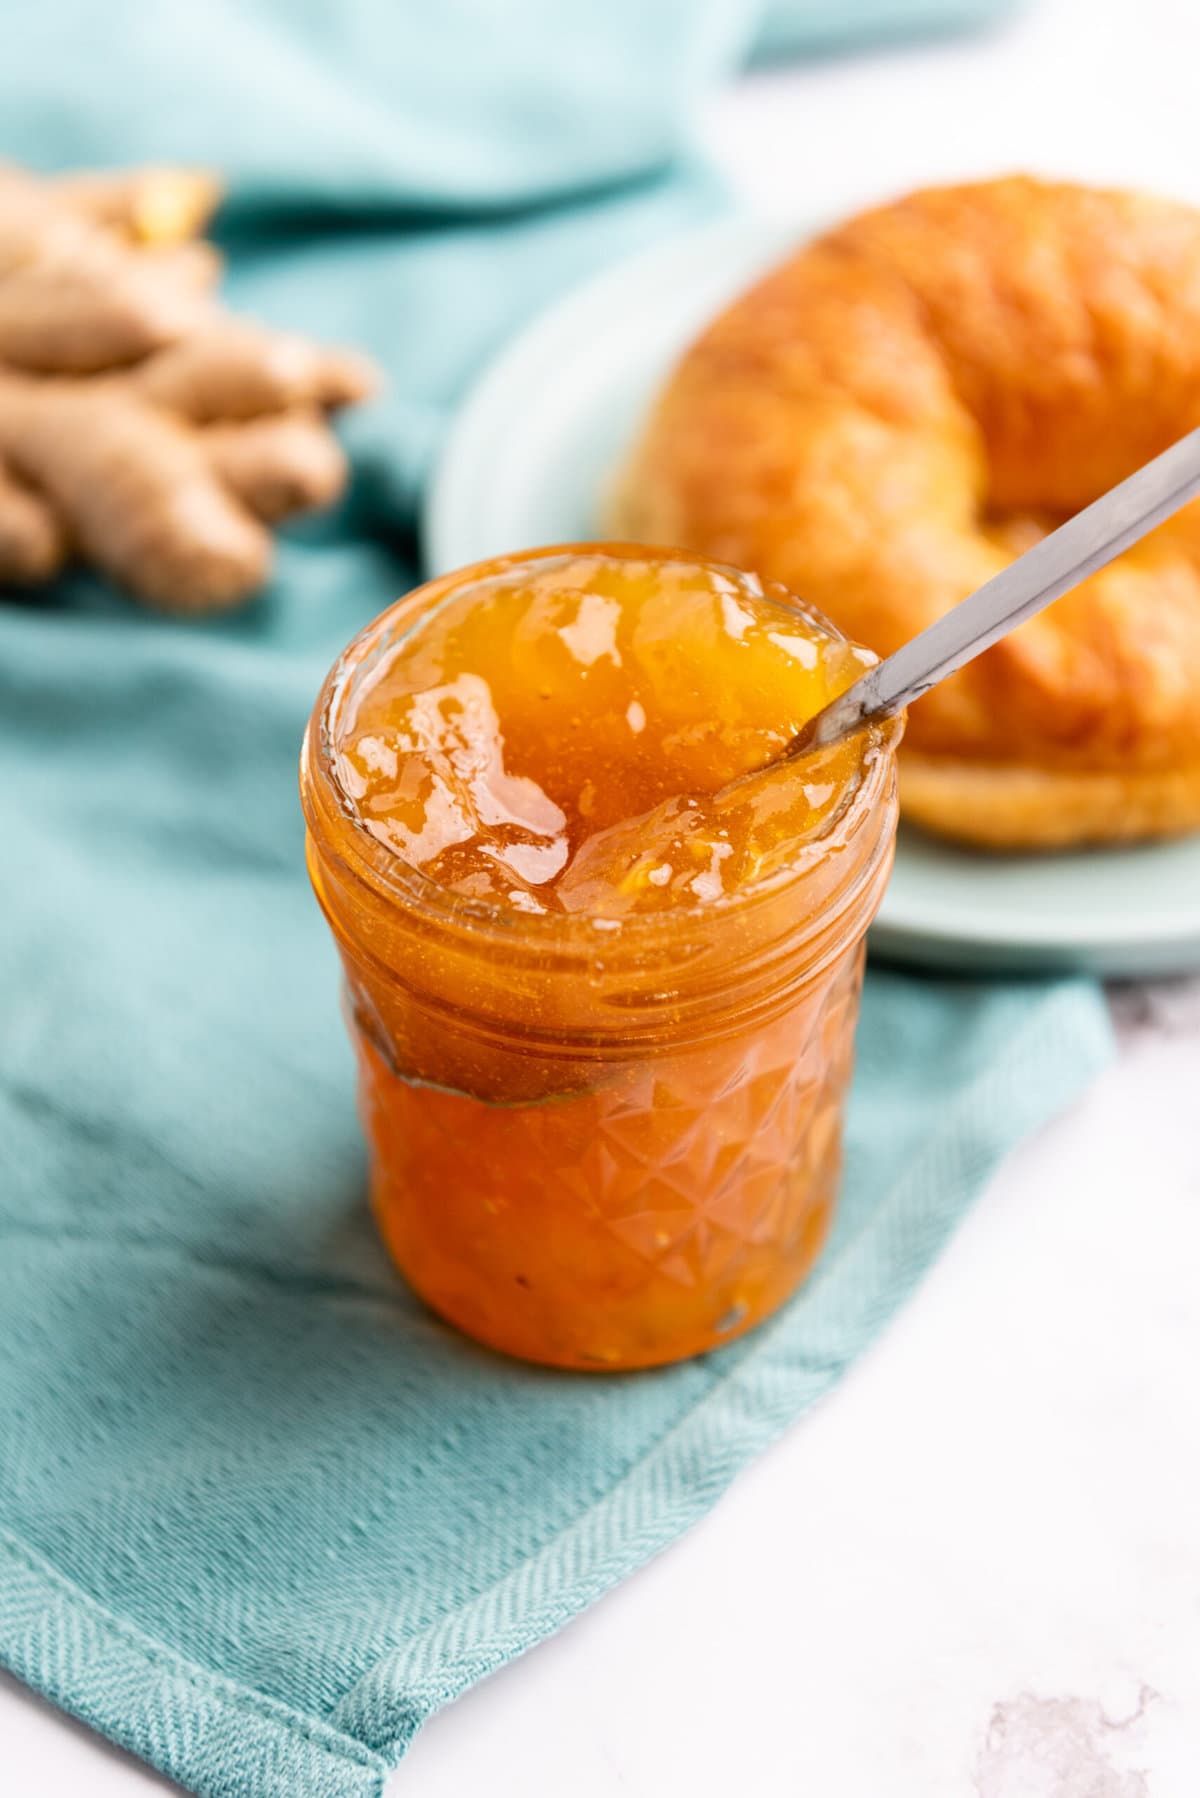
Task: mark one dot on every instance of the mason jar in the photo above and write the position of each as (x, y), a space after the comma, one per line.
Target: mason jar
(597, 1143)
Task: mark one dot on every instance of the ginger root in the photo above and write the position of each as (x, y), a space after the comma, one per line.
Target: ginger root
(143, 428)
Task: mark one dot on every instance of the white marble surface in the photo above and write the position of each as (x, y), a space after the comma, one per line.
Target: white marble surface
(974, 1571)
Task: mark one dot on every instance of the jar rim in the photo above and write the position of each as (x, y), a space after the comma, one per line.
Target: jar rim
(390, 876)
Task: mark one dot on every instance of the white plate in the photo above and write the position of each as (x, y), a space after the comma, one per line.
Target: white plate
(526, 464)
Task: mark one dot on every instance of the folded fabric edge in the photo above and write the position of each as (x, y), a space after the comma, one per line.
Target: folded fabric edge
(215, 1737)
(789, 31)
(776, 1378)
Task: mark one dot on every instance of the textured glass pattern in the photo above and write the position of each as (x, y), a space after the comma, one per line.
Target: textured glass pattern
(664, 1208)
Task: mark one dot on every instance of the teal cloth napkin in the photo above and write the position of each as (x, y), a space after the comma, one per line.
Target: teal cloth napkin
(260, 1514)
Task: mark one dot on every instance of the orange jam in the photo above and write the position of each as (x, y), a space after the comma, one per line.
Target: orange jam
(602, 961)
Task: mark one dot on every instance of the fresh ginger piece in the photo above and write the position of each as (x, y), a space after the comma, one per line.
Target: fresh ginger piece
(151, 205)
(142, 497)
(279, 464)
(142, 427)
(31, 542)
(233, 369)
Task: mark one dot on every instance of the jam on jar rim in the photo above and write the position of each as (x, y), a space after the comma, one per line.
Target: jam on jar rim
(381, 869)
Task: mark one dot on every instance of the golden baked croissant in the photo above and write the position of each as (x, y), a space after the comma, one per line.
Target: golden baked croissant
(904, 405)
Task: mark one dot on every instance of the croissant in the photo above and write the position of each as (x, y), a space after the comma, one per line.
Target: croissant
(906, 404)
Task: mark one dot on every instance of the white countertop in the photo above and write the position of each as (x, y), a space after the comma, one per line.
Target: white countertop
(974, 1570)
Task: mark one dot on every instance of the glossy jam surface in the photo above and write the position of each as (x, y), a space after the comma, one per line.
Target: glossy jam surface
(559, 738)
(605, 1030)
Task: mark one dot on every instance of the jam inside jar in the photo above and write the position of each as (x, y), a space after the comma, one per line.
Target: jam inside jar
(602, 966)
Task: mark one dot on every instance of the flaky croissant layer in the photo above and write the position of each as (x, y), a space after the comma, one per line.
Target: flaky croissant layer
(899, 409)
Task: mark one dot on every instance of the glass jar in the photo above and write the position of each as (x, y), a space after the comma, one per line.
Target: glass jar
(597, 1143)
